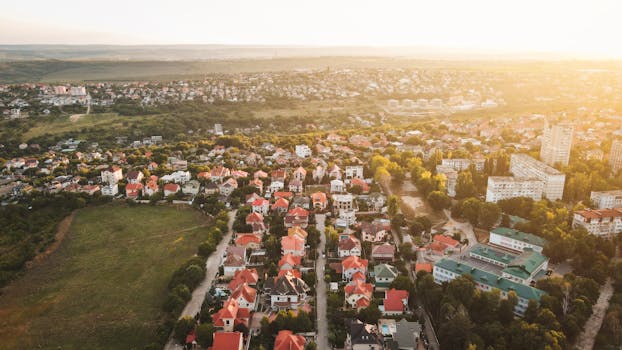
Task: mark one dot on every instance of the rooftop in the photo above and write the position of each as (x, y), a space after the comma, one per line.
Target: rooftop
(487, 278)
(520, 236)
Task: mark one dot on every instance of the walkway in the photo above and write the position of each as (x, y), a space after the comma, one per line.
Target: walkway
(592, 326)
(198, 295)
(320, 288)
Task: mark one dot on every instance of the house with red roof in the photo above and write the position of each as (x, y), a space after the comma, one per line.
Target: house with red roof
(204, 175)
(427, 267)
(278, 175)
(361, 183)
(151, 187)
(297, 217)
(348, 246)
(260, 205)
(299, 174)
(228, 341)
(281, 194)
(358, 294)
(246, 296)
(297, 231)
(232, 264)
(442, 244)
(286, 340)
(280, 206)
(170, 189)
(260, 174)
(319, 200)
(231, 315)
(255, 220)
(250, 241)
(383, 252)
(133, 190)
(219, 173)
(351, 265)
(295, 273)
(289, 262)
(395, 302)
(294, 245)
(257, 184)
(248, 276)
(250, 198)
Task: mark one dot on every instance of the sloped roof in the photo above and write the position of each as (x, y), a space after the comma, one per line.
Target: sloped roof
(286, 340)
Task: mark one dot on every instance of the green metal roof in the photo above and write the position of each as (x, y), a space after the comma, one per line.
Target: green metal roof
(521, 236)
(492, 280)
(525, 264)
(493, 254)
(384, 270)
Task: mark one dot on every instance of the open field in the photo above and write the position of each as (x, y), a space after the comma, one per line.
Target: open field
(104, 286)
(64, 124)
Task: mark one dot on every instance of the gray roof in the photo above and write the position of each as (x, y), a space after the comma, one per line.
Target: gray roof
(406, 334)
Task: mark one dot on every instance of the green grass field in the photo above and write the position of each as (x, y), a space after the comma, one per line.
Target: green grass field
(104, 287)
(63, 124)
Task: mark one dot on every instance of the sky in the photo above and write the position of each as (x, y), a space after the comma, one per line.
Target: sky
(588, 27)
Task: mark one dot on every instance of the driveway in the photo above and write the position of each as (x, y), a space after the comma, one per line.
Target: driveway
(320, 288)
(198, 295)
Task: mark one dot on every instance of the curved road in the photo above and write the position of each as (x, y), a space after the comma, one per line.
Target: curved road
(198, 295)
(320, 288)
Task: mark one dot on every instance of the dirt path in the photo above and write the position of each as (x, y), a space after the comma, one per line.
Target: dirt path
(75, 117)
(61, 231)
(592, 326)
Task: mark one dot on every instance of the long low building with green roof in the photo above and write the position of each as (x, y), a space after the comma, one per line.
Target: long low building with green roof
(516, 240)
(522, 268)
(446, 270)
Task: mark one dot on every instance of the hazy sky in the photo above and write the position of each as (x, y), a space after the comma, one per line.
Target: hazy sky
(586, 26)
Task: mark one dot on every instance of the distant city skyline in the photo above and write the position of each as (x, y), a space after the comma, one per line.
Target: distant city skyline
(584, 28)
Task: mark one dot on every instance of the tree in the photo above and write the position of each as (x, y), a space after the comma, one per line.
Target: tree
(489, 214)
(370, 314)
(406, 250)
(465, 187)
(455, 333)
(402, 282)
(439, 200)
(393, 205)
(183, 326)
(470, 210)
(205, 334)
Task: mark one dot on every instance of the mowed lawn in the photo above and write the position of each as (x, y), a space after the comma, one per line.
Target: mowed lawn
(104, 286)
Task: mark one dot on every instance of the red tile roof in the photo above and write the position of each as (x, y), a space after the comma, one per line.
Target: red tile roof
(286, 340)
(393, 300)
(354, 262)
(227, 341)
(423, 267)
(448, 241)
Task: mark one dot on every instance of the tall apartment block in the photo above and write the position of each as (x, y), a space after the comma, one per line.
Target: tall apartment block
(522, 165)
(556, 143)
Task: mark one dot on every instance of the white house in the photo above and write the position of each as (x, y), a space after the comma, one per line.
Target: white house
(303, 151)
(110, 190)
(336, 186)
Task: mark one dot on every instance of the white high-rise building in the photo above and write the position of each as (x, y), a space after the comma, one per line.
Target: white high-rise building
(615, 156)
(505, 187)
(607, 199)
(522, 165)
(452, 178)
(556, 143)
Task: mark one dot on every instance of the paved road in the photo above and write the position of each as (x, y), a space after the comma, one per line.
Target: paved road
(592, 326)
(320, 288)
(198, 295)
